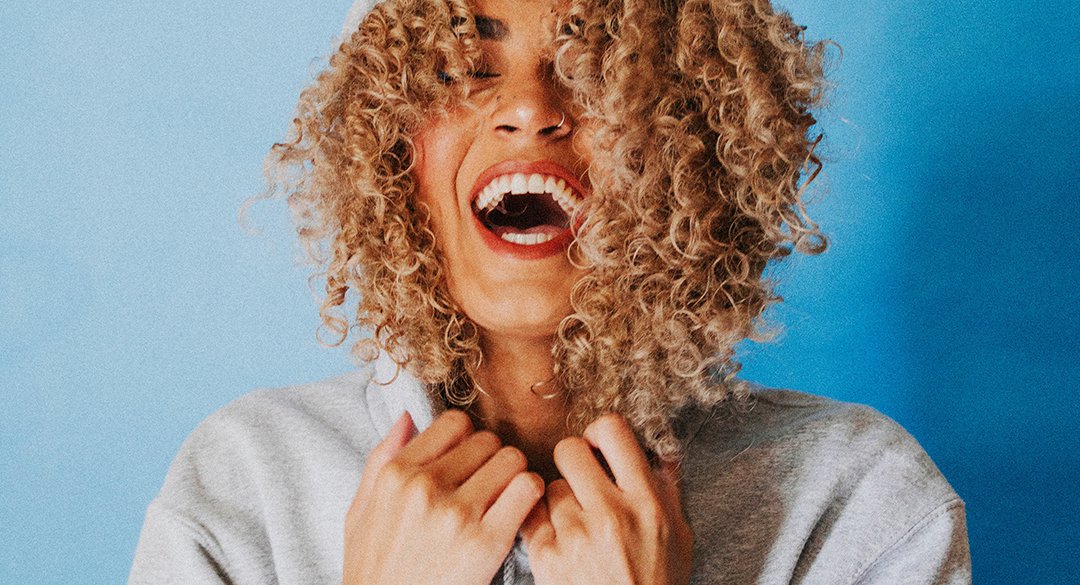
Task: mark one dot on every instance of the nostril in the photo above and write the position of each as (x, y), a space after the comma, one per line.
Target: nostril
(534, 125)
(548, 131)
(562, 128)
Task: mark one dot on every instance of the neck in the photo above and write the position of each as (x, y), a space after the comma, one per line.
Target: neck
(515, 375)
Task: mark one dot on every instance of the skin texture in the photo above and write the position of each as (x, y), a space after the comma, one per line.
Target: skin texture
(517, 303)
(516, 119)
(591, 530)
(444, 506)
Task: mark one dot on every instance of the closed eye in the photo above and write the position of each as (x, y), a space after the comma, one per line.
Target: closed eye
(448, 79)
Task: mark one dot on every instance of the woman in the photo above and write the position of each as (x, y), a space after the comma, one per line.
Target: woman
(556, 216)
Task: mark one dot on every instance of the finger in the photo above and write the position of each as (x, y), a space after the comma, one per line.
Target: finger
(669, 477)
(484, 487)
(563, 505)
(611, 434)
(580, 468)
(509, 511)
(537, 529)
(458, 464)
(446, 431)
(395, 440)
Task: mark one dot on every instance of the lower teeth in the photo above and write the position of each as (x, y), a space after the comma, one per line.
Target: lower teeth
(527, 239)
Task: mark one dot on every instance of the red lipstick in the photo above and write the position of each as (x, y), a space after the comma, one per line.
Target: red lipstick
(502, 247)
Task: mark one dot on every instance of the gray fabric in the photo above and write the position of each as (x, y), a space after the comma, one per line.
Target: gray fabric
(790, 488)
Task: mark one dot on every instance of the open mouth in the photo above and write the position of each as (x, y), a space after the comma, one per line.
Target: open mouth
(526, 209)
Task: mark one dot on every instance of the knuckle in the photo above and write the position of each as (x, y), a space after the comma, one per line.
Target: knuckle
(394, 474)
(618, 523)
(568, 445)
(454, 516)
(655, 521)
(487, 440)
(534, 482)
(421, 490)
(512, 457)
(652, 513)
(525, 485)
(610, 526)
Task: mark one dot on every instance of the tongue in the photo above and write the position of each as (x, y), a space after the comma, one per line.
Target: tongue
(526, 214)
(538, 229)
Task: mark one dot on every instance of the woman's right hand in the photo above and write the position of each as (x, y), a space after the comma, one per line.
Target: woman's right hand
(442, 507)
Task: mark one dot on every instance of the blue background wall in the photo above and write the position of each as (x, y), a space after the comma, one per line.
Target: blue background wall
(132, 305)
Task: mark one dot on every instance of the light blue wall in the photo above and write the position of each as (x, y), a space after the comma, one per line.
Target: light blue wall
(131, 304)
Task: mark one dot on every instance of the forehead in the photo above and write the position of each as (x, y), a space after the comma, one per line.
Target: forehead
(508, 20)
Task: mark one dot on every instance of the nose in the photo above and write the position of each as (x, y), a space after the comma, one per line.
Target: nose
(531, 110)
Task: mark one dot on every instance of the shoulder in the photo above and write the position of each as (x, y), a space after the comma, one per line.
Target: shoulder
(270, 436)
(327, 408)
(812, 437)
(259, 488)
(812, 484)
(294, 404)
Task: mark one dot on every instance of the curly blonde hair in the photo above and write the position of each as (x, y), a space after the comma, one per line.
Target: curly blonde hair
(698, 183)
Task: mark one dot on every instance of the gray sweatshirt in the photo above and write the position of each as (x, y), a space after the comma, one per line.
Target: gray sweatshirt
(792, 488)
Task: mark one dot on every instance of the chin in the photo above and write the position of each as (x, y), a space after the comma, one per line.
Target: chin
(522, 316)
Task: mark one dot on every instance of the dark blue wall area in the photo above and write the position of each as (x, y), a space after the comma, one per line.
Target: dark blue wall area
(952, 304)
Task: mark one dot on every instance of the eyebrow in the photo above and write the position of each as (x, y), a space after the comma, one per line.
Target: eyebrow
(491, 28)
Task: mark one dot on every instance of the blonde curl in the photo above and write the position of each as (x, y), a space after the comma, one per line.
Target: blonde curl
(698, 178)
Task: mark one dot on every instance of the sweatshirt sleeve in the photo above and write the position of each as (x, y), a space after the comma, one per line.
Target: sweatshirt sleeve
(933, 552)
(173, 550)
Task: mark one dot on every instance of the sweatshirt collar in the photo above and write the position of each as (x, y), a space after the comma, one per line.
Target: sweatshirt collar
(393, 391)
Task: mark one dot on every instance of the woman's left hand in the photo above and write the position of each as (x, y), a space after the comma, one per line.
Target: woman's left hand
(590, 530)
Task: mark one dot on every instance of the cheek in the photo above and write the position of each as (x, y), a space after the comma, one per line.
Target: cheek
(439, 151)
(583, 149)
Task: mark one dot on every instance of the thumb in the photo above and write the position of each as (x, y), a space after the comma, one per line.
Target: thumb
(395, 440)
(401, 433)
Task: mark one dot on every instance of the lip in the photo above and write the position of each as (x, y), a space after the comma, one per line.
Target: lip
(509, 167)
(520, 251)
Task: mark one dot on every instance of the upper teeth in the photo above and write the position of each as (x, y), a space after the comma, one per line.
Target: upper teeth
(519, 184)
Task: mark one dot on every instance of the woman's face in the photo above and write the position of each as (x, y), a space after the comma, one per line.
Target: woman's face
(501, 179)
